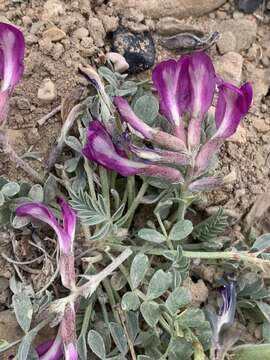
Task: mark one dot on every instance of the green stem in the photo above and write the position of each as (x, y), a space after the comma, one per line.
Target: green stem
(249, 258)
(86, 319)
(168, 240)
(129, 214)
(109, 291)
(105, 185)
(90, 179)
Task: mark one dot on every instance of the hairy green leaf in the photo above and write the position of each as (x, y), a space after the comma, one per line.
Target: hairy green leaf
(179, 298)
(96, 344)
(23, 310)
(139, 268)
(210, 228)
(151, 235)
(130, 301)
(150, 312)
(158, 284)
(181, 230)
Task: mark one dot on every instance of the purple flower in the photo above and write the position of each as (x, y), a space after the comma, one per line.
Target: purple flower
(225, 317)
(205, 184)
(161, 156)
(171, 80)
(11, 63)
(101, 149)
(65, 233)
(68, 332)
(145, 131)
(51, 350)
(202, 85)
(232, 106)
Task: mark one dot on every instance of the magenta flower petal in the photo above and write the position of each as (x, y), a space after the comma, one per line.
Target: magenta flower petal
(161, 156)
(40, 212)
(71, 352)
(160, 137)
(171, 80)
(202, 83)
(51, 350)
(232, 106)
(69, 223)
(206, 154)
(205, 184)
(100, 148)
(12, 48)
(132, 119)
(43, 213)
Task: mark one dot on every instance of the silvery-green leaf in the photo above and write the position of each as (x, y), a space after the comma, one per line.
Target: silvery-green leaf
(133, 324)
(158, 284)
(82, 347)
(191, 317)
(266, 331)
(96, 344)
(181, 349)
(107, 74)
(74, 143)
(71, 164)
(127, 88)
(130, 301)
(144, 357)
(10, 189)
(151, 235)
(138, 269)
(146, 108)
(180, 297)
(14, 285)
(19, 222)
(181, 230)
(119, 337)
(150, 312)
(262, 242)
(50, 189)
(118, 281)
(251, 352)
(25, 345)
(265, 309)
(23, 310)
(36, 193)
(2, 199)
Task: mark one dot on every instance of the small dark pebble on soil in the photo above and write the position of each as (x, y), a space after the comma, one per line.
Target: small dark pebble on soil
(137, 48)
(249, 6)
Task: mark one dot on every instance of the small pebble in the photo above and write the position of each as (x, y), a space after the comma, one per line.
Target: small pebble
(32, 136)
(54, 34)
(248, 6)
(47, 91)
(137, 49)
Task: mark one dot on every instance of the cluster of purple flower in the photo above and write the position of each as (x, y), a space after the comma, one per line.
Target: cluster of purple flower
(186, 88)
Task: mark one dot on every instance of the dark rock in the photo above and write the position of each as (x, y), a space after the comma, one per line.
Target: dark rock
(249, 6)
(137, 48)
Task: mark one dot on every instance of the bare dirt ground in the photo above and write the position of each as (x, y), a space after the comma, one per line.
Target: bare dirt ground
(60, 35)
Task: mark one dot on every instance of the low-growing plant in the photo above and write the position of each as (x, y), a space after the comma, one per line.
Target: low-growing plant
(121, 204)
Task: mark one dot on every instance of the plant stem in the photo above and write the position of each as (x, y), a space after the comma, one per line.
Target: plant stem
(109, 291)
(105, 185)
(168, 240)
(248, 258)
(86, 319)
(90, 179)
(133, 207)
